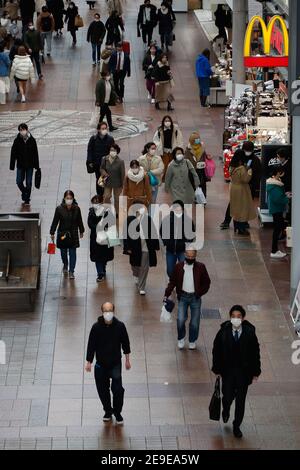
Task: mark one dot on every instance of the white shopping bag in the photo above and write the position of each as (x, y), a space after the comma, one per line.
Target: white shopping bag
(95, 117)
(165, 316)
(199, 196)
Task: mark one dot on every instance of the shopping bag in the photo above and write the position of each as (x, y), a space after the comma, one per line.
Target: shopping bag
(165, 316)
(215, 402)
(37, 178)
(112, 236)
(95, 117)
(126, 47)
(210, 167)
(51, 248)
(152, 179)
(78, 22)
(199, 196)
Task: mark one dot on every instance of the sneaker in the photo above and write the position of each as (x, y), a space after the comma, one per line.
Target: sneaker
(100, 278)
(65, 270)
(181, 343)
(142, 292)
(119, 419)
(23, 99)
(94, 64)
(107, 417)
(71, 275)
(149, 96)
(192, 346)
(136, 280)
(278, 255)
(153, 101)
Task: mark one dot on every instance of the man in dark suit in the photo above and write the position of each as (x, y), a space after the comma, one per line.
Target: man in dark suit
(236, 358)
(119, 66)
(147, 20)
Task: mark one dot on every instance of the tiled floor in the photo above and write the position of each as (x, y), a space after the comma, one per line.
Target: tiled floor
(46, 399)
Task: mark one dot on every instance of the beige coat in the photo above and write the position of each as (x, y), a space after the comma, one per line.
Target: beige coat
(156, 166)
(241, 202)
(177, 139)
(12, 9)
(141, 191)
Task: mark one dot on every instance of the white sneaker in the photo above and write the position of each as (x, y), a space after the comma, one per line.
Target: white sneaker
(136, 280)
(153, 101)
(181, 343)
(23, 99)
(192, 346)
(142, 292)
(278, 255)
(149, 96)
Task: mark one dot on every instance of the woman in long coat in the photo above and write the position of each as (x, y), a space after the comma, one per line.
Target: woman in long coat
(241, 203)
(137, 185)
(99, 219)
(71, 13)
(178, 181)
(163, 83)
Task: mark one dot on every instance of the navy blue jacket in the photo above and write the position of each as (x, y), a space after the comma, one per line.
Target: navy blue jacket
(113, 63)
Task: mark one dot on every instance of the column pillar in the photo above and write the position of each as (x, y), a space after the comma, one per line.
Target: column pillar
(240, 9)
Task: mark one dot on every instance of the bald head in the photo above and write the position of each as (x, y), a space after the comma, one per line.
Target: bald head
(107, 307)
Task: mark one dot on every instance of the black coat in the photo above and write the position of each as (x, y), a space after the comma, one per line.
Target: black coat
(113, 26)
(57, 8)
(256, 168)
(287, 177)
(96, 32)
(223, 359)
(165, 22)
(67, 221)
(153, 15)
(135, 246)
(147, 62)
(175, 233)
(27, 9)
(100, 253)
(99, 147)
(160, 74)
(71, 14)
(113, 63)
(24, 153)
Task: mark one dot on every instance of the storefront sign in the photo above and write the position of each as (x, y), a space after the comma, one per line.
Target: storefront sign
(269, 40)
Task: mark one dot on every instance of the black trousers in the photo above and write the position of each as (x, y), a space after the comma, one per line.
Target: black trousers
(106, 112)
(119, 77)
(235, 386)
(147, 32)
(278, 227)
(103, 376)
(35, 56)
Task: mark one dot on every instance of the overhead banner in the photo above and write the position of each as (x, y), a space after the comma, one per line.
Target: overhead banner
(266, 60)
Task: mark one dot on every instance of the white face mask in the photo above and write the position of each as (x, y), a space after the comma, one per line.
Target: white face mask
(248, 154)
(168, 123)
(236, 322)
(108, 316)
(96, 206)
(179, 157)
(178, 214)
(152, 152)
(135, 171)
(69, 202)
(103, 131)
(31, 28)
(113, 153)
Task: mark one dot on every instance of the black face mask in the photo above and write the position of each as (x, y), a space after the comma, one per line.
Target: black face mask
(190, 261)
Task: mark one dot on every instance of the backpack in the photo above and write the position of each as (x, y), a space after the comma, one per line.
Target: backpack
(46, 23)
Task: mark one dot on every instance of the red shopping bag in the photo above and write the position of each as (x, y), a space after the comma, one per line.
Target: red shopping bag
(51, 248)
(126, 47)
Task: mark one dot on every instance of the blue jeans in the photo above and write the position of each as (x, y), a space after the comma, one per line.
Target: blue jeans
(96, 49)
(101, 267)
(25, 174)
(72, 256)
(102, 378)
(186, 301)
(172, 259)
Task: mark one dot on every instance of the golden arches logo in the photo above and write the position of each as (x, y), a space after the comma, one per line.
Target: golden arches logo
(267, 60)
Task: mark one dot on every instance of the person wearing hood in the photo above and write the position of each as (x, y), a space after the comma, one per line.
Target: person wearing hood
(176, 231)
(277, 202)
(95, 35)
(203, 73)
(100, 219)
(68, 222)
(181, 178)
(137, 185)
(45, 25)
(22, 70)
(153, 167)
(24, 153)
(107, 338)
(113, 170)
(163, 83)
(4, 74)
(197, 155)
(150, 60)
(236, 359)
(167, 137)
(98, 147)
(141, 242)
(33, 42)
(165, 18)
(106, 96)
(191, 281)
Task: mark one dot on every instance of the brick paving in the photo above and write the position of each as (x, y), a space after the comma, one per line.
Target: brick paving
(46, 399)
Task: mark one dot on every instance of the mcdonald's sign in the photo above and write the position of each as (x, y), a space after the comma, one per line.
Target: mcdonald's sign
(266, 60)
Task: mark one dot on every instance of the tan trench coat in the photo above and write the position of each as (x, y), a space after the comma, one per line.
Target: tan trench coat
(241, 202)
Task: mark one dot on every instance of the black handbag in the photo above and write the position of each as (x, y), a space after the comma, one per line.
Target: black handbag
(65, 239)
(215, 402)
(90, 167)
(37, 178)
(191, 177)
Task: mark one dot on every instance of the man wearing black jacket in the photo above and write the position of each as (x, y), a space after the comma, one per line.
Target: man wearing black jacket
(119, 66)
(95, 36)
(147, 20)
(106, 339)
(236, 358)
(25, 152)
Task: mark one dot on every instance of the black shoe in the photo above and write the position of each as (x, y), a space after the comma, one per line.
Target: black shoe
(119, 419)
(107, 417)
(225, 416)
(100, 278)
(237, 432)
(157, 106)
(224, 226)
(112, 128)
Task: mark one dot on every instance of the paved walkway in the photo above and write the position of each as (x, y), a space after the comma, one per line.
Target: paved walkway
(46, 399)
